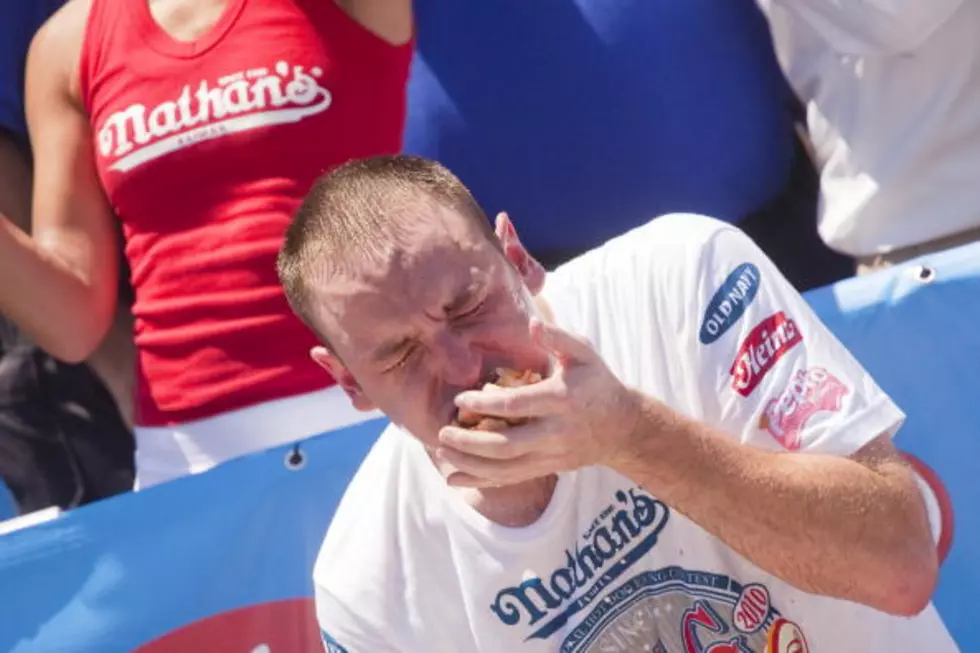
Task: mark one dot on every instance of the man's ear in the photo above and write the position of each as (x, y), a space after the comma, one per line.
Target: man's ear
(526, 265)
(325, 359)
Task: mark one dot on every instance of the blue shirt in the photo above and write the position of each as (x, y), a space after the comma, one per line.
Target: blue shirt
(585, 118)
(19, 21)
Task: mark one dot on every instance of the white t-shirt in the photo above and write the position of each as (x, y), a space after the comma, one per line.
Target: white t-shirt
(690, 311)
(892, 91)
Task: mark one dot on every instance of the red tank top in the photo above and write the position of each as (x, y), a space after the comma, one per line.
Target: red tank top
(205, 150)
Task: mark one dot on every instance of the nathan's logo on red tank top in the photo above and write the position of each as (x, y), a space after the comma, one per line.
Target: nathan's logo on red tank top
(762, 348)
(234, 103)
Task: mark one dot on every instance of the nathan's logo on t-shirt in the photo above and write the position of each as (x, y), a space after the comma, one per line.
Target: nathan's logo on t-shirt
(235, 103)
(678, 610)
(619, 537)
(762, 348)
(809, 392)
(729, 302)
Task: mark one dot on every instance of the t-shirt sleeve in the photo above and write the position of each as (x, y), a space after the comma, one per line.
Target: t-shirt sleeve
(342, 631)
(766, 369)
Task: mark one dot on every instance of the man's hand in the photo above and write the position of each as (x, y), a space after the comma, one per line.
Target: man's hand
(851, 528)
(581, 415)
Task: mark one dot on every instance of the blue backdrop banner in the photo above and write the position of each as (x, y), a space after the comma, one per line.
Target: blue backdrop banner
(222, 561)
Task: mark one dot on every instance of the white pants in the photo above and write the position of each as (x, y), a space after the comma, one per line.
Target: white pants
(164, 453)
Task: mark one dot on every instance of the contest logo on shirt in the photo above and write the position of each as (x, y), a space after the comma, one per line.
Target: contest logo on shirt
(594, 606)
(673, 609)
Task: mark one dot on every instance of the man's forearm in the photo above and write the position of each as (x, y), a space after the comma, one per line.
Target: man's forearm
(825, 524)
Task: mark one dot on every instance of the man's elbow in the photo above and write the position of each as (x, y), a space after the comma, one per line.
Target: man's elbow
(909, 579)
(902, 561)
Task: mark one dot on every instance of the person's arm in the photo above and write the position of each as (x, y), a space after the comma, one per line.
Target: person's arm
(391, 20)
(115, 358)
(873, 27)
(782, 450)
(60, 286)
(810, 487)
(852, 528)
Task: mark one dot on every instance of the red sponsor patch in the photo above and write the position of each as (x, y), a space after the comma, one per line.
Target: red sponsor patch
(809, 392)
(762, 348)
(786, 637)
(266, 628)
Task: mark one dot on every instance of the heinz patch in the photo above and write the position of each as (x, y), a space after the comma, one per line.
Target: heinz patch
(761, 350)
(729, 302)
(809, 392)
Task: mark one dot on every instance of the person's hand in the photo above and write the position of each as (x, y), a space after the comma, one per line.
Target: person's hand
(581, 415)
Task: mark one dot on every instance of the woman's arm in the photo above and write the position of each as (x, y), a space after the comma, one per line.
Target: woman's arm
(60, 285)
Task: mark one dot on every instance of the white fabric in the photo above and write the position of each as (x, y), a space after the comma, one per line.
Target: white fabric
(892, 94)
(407, 566)
(164, 453)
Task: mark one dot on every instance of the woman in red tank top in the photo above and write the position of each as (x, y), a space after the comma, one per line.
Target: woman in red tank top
(199, 125)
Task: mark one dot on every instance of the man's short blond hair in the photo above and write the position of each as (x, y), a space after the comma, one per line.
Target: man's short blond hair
(354, 211)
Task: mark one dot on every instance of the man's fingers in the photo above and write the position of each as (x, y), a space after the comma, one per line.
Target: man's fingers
(499, 472)
(511, 403)
(513, 442)
(567, 347)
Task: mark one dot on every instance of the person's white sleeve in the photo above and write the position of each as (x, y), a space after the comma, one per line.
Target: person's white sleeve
(767, 370)
(342, 631)
(871, 27)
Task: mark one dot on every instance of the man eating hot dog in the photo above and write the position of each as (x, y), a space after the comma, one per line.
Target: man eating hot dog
(677, 457)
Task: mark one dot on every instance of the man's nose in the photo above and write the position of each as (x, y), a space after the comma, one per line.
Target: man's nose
(460, 364)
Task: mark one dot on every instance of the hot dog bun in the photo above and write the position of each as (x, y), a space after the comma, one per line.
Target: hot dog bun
(504, 378)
